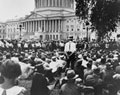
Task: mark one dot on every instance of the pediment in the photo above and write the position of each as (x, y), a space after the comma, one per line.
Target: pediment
(34, 15)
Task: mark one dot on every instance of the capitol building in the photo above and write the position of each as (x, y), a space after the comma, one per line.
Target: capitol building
(50, 20)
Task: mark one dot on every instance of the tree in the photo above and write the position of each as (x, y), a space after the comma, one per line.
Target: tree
(103, 15)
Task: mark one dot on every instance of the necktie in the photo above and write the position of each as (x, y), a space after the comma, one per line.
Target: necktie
(4, 92)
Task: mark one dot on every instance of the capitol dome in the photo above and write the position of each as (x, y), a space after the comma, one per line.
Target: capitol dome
(54, 4)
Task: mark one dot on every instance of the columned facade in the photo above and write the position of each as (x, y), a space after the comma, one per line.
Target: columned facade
(54, 3)
(47, 19)
(49, 29)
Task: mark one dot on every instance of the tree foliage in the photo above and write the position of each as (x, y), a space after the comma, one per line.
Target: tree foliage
(104, 15)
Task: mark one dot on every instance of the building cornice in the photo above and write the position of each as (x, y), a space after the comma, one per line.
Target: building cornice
(54, 9)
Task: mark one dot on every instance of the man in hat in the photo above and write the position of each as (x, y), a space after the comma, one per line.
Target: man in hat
(70, 88)
(70, 48)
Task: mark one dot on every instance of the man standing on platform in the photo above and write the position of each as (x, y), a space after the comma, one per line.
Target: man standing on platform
(70, 48)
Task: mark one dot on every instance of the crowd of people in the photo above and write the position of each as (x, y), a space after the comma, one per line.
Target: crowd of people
(60, 67)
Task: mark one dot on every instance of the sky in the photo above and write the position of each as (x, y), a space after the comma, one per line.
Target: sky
(13, 9)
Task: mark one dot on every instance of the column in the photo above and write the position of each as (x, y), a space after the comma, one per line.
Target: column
(33, 26)
(38, 25)
(45, 3)
(52, 2)
(67, 3)
(55, 25)
(59, 25)
(59, 3)
(23, 24)
(55, 2)
(29, 26)
(72, 2)
(39, 3)
(36, 3)
(26, 26)
(44, 26)
(49, 26)
(48, 3)
(62, 25)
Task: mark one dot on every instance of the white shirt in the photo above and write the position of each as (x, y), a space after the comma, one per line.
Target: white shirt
(26, 45)
(61, 44)
(26, 70)
(19, 45)
(1, 44)
(70, 46)
(84, 63)
(54, 66)
(15, 90)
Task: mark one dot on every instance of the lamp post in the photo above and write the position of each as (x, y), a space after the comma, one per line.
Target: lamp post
(87, 35)
(20, 28)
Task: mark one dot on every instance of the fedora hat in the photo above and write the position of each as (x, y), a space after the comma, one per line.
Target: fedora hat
(71, 74)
